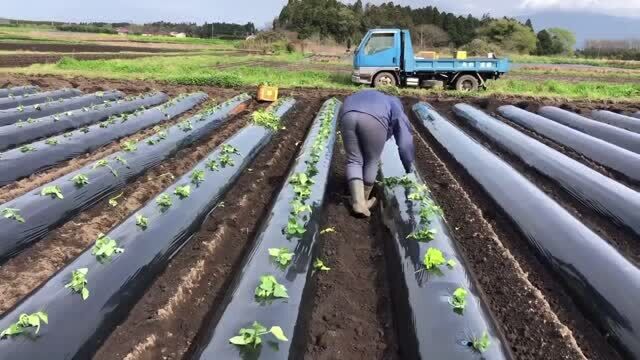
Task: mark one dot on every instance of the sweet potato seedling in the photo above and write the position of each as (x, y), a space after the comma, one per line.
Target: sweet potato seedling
(230, 149)
(20, 108)
(183, 191)
(164, 201)
(252, 335)
(13, 214)
(129, 146)
(26, 321)
(185, 126)
(68, 135)
(142, 221)
(78, 283)
(459, 300)
(27, 148)
(482, 343)
(226, 160)
(105, 163)
(267, 119)
(212, 165)
(282, 256)
(84, 130)
(197, 177)
(319, 265)
(270, 288)
(121, 160)
(54, 191)
(113, 202)
(434, 258)
(52, 142)
(423, 235)
(298, 207)
(294, 228)
(105, 247)
(80, 180)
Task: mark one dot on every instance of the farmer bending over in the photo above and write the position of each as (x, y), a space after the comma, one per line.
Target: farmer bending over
(367, 120)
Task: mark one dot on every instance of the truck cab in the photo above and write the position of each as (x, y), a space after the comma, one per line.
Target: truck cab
(385, 57)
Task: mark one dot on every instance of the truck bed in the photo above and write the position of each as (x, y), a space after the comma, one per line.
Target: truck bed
(458, 65)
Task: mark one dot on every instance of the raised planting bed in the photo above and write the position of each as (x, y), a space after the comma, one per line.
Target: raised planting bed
(594, 273)
(437, 306)
(18, 90)
(31, 130)
(612, 134)
(30, 99)
(619, 120)
(269, 288)
(34, 215)
(619, 203)
(141, 246)
(29, 114)
(30, 158)
(611, 156)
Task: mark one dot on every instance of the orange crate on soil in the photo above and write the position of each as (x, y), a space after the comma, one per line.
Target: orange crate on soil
(267, 93)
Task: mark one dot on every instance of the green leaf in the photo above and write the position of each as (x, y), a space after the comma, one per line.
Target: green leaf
(13, 214)
(266, 119)
(482, 344)
(270, 288)
(239, 340)
(183, 191)
(142, 222)
(85, 293)
(129, 146)
(27, 148)
(113, 202)
(197, 177)
(80, 180)
(78, 283)
(51, 141)
(230, 149)
(433, 258)
(282, 255)
(53, 191)
(328, 230)
(105, 247)
(320, 266)
(459, 299)
(278, 333)
(164, 201)
(212, 165)
(423, 235)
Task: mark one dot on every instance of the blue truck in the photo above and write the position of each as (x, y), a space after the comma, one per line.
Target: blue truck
(385, 57)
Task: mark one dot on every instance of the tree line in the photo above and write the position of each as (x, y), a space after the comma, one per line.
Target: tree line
(430, 27)
(206, 30)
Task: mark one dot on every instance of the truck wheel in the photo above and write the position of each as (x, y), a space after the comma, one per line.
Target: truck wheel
(384, 78)
(467, 83)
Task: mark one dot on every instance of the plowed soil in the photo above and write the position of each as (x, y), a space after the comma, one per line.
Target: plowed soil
(70, 48)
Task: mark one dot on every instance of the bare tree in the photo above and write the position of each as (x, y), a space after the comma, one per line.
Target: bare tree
(429, 36)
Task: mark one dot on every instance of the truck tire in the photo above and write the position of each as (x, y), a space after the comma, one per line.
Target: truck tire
(467, 83)
(385, 78)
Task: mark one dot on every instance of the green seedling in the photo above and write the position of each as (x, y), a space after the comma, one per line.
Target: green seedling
(393, 181)
(267, 119)
(26, 321)
(481, 344)
(160, 135)
(20, 108)
(428, 211)
(31, 121)
(80, 180)
(197, 177)
(283, 256)
(27, 148)
(185, 126)
(294, 228)
(104, 124)
(105, 163)
(78, 283)
(37, 107)
(298, 207)
(434, 258)
(129, 146)
(164, 201)
(301, 179)
(52, 142)
(84, 130)
(183, 191)
(142, 222)
(13, 214)
(105, 248)
(230, 149)
(252, 335)
(319, 265)
(459, 300)
(424, 235)
(53, 191)
(328, 230)
(121, 160)
(113, 202)
(68, 135)
(269, 288)
(212, 165)
(225, 160)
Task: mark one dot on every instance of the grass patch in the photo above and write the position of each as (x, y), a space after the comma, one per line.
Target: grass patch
(218, 43)
(530, 59)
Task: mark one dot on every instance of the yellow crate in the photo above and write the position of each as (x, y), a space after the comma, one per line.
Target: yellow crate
(461, 55)
(267, 93)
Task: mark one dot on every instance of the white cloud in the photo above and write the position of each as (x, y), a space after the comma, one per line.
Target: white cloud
(621, 7)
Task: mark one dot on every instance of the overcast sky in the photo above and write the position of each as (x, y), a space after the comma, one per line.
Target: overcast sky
(261, 11)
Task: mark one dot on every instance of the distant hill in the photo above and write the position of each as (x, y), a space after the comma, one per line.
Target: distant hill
(587, 25)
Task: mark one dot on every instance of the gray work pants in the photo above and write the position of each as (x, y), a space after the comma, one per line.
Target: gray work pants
(364, 138)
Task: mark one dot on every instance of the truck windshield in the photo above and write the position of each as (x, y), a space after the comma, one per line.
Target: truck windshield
(379, 42)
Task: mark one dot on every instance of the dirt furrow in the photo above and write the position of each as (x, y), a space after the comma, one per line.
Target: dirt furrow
(537, 316)
(28, 270)
(164, 322)
(350, 308)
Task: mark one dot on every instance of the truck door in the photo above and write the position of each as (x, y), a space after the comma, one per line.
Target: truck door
(380, 50)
